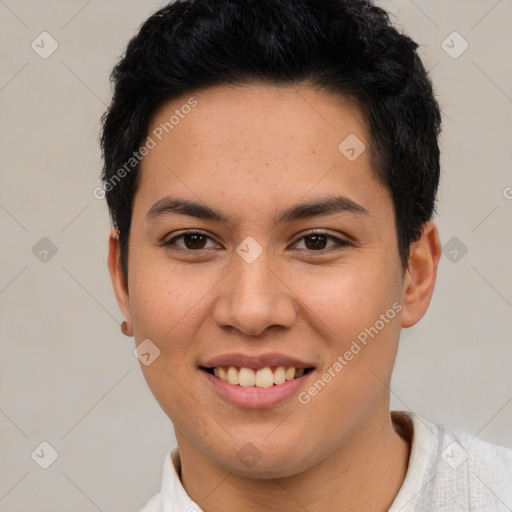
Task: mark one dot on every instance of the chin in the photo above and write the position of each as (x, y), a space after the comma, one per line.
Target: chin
(267, 468)
(259, 458)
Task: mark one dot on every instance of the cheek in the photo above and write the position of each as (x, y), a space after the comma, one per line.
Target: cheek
(352, 312)
(343, 300)
(344, 309)
(166, 298)
(166, 303)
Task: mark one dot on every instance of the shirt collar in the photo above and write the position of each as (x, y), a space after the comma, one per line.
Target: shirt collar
(174, 495)
(420, 432)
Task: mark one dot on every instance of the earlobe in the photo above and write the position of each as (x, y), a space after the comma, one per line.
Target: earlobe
(126, 329)
(118, 281)
(420, 277)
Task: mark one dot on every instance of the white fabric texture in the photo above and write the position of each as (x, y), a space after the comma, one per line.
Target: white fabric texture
(447, 472)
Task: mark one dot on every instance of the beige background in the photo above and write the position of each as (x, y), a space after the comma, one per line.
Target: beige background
(67, 374)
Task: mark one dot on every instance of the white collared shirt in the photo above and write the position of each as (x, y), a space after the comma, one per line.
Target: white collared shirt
(447, 472)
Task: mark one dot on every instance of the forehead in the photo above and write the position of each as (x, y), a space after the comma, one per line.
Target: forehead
(257, 139)
(256, 113)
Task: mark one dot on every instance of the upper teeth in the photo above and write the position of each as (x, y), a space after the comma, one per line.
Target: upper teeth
(261, 378)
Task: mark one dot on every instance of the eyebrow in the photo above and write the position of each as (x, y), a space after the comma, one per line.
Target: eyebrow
(325, 206)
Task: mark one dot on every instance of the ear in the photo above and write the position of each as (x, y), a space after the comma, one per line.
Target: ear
(420, 277)
(118, 278)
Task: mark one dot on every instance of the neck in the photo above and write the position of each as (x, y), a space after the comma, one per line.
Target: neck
(365, 473)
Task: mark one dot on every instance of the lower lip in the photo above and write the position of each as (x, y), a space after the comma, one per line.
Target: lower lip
(257, 398)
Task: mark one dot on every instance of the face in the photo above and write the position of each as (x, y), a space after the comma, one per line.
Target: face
(259, 243)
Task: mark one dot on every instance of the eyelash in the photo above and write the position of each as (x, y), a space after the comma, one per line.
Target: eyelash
(342, 244)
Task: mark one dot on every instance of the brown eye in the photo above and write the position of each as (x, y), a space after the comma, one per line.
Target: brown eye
(194, 241)
(191, 240)
(315, 242)
(319, 242)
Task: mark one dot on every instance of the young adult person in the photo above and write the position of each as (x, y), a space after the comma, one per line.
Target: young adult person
(271, 170)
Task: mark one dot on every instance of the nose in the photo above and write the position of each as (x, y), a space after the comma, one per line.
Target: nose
(253, 297)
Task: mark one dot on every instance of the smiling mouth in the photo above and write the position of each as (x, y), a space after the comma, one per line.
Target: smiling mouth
(257, 377)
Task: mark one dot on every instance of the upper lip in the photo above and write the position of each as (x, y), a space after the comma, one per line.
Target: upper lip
(255, 361)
